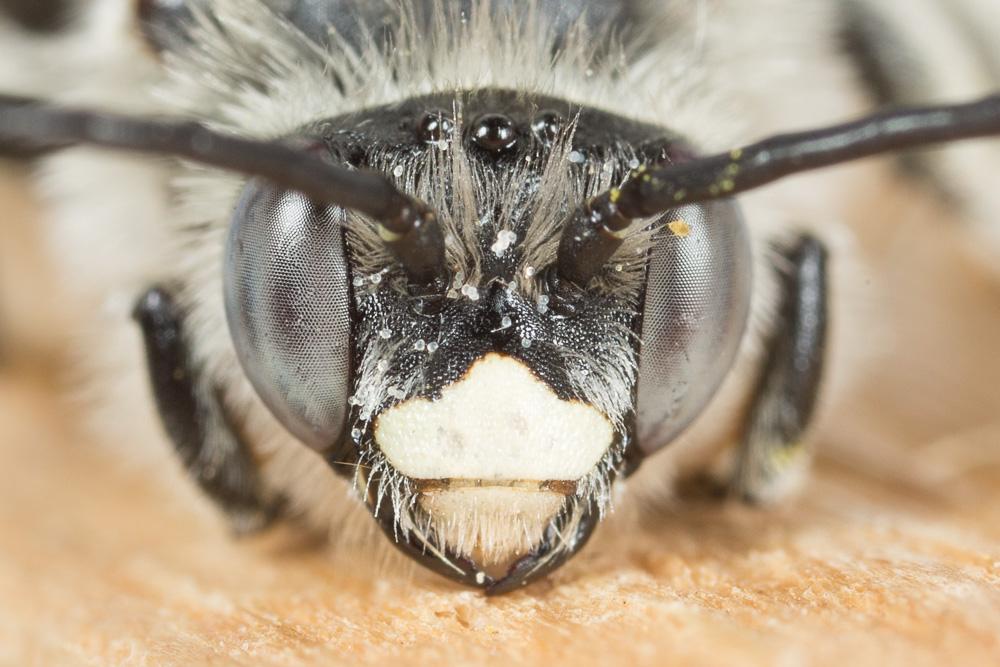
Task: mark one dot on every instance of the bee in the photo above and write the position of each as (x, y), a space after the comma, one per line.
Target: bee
(467, 268)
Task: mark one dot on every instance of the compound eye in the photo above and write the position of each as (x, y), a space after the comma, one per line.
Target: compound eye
(287, 303)
(696, 307)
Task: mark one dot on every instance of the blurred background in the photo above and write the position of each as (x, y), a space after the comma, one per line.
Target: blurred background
(892, 552)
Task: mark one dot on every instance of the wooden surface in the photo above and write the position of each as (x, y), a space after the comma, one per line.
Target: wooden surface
(891, 556)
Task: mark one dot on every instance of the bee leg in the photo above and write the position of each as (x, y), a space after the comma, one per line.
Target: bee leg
(772, 457)
(196, 420)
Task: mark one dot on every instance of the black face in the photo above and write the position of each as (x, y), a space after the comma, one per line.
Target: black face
(498, 317)
(503, 171)
(529, 124)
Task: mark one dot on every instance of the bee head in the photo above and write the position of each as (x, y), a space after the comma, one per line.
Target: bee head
(488, 411)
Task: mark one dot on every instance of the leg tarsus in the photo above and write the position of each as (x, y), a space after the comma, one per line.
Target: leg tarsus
(772, 458)
(196, 420)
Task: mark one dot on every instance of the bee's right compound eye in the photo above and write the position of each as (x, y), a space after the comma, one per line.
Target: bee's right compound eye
(697, 300)
(287, 303)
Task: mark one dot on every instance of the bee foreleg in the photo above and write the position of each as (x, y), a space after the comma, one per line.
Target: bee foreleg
(772, 456)
(196, 419)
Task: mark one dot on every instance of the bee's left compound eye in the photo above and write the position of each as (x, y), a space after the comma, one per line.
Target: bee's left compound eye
(287, 303)
(696, 306)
